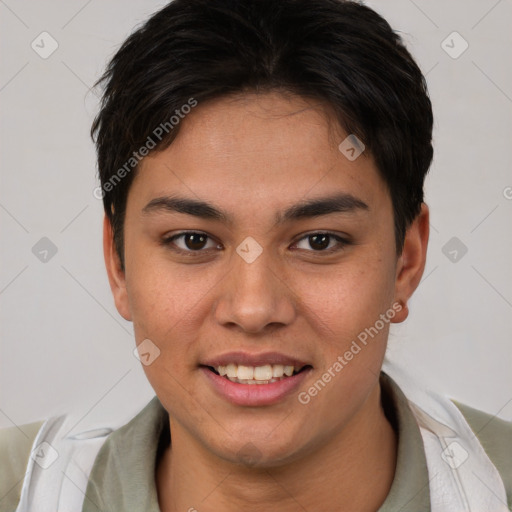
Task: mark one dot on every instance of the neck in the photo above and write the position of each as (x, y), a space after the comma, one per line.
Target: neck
(359, 459)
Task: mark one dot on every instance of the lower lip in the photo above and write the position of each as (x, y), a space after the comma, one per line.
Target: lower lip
(255, 394)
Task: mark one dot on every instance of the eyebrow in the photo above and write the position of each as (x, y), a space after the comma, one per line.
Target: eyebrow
(316, 207)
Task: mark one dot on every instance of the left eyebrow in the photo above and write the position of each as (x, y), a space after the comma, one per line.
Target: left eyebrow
(339, 203)
(316, 207)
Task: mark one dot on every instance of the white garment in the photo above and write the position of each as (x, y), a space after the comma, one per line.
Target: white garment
(462, 477)
(59, 467)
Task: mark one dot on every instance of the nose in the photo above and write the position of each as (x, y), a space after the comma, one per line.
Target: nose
(255, 297)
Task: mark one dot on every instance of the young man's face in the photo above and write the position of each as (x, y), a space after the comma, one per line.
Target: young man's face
(303, 300)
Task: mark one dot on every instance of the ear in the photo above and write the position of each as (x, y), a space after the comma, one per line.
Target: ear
(411, 263)
(116, 275)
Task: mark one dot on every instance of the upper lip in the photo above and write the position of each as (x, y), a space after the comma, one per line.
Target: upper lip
(248, 359)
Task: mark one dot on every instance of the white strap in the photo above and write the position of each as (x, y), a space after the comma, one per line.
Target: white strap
(58, 469)
(462, 477)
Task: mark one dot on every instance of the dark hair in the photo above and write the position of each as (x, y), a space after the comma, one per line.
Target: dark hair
(336, 51)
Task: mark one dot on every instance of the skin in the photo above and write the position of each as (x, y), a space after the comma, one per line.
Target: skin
(254, 156)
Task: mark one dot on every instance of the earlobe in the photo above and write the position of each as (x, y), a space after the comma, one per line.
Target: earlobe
(116, 275)
(411, 263)
(401, 311)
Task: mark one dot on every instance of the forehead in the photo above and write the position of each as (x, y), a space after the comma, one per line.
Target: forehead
(251, 122)
(258, 149)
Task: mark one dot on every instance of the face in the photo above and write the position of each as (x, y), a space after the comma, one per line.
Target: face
(280, 252)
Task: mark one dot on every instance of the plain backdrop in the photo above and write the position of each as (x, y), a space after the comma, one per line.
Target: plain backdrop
(64, 347)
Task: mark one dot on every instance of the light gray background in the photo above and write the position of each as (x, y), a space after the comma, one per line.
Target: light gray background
(64, 348)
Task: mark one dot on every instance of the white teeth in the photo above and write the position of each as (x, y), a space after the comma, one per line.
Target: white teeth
(277, 370)
(288, 370)
(261, 372)
(231, 370)
(245, 372)
(256, 381)
(255, 374)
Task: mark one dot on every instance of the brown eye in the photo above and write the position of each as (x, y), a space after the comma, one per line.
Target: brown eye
(190, 241)
(195, 241)
(321, 242)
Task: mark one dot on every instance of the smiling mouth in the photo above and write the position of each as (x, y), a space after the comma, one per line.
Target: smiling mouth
(265, 374)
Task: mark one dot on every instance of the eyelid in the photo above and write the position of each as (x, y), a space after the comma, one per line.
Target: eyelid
(169, 239)
(342, 241)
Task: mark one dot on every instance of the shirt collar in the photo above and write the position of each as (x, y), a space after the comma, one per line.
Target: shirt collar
(410, 487)
(123, 474)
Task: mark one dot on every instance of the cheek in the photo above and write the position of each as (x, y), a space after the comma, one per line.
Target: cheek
(349, 306)
(168, 302)
(165, 306)
(351, 297)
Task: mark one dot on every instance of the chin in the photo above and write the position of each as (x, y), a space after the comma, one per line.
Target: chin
(259, 451)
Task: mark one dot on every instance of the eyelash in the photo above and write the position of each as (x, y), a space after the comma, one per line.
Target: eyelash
(168, 242)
